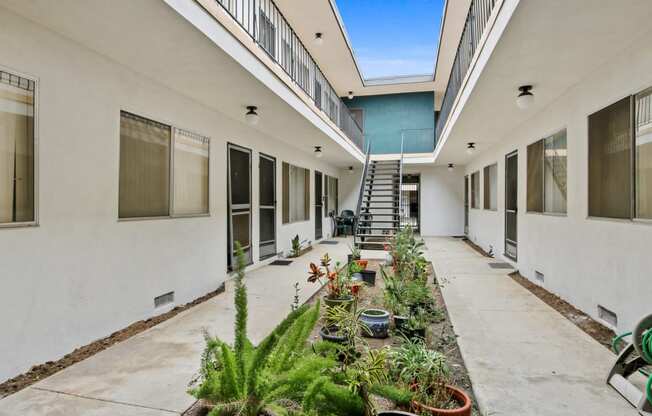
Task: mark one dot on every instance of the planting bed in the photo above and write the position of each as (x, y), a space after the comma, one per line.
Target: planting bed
(440, 335)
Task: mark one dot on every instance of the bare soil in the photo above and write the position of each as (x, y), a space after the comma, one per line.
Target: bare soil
(596, 330)
(41, 371)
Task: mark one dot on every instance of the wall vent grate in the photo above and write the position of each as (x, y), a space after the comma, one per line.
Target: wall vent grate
(608, 316)
(164, 299)
(539, 276)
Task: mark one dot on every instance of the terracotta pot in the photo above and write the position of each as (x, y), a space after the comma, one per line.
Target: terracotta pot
(362, 263)
(395, 413)
(344, 302)
(459, 396)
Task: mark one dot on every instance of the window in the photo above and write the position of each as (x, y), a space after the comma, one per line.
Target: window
(475, 190)
(146, 169)
(546, 174)
(643, 150)
(491, 187)
(16, 149)
(296, 193)
(358, 115)
(190, 169)
(610, 168)
(331, 196)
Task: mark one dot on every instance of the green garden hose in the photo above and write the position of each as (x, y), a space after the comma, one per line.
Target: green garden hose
(646, 349)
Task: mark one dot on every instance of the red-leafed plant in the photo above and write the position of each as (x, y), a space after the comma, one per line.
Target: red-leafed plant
(338, 285)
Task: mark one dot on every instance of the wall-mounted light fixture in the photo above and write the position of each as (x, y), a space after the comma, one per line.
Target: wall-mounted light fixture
(525, 99)
(251, 116)
(350, 95)
(319, 39)
(350, 169)
(318, 152)
(470, 148)
(451, 167)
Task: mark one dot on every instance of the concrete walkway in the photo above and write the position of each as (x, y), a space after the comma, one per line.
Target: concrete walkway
(148, 374)
(524, 358)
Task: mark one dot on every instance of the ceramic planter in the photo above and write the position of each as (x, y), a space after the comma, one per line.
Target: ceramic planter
(458, 395)
(344, 302)
(330, 334)
(369, 277)
(357, 277)
(377, 320)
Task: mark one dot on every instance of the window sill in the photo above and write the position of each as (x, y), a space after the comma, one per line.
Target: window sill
(167, 217)
(490, 210)
(632, 221)
(295, 222)
(10, 225)
(547, 214)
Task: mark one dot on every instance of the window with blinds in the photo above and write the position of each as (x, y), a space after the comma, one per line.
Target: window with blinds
(475, 190)
(296, 193)
(491, 187)
(17, 100)
(164, 171)
(547, 174)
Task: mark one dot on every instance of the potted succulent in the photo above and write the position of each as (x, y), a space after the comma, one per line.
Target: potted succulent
(338, 287)
(377, 320)
(355, 254)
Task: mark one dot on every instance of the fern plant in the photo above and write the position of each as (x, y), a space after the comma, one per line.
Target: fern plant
(249, 380)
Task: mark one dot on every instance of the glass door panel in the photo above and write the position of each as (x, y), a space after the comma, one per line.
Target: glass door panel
(267, 210)
(239, 202)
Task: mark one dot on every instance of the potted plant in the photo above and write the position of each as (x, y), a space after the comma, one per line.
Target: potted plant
(377, 320)
(355, 254)
(355, 271)
(426, 373)
(369, 276)
(362, 263)
(401, 317)
(296, 246)
(344, 327)
(338, 287)
(415, 327)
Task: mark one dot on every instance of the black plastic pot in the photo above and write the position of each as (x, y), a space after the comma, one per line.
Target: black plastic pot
(415, 334)
(350, 258)
(330, 334)
(369, 277)
(400, 322)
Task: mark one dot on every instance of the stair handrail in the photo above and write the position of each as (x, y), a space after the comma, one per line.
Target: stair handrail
(400, 185)
(362, 178)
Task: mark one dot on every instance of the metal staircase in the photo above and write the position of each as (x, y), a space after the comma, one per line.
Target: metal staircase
(379, 203)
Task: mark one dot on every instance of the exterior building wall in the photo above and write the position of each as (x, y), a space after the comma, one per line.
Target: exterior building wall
(82, 274)
(386, 117)
(586, 261)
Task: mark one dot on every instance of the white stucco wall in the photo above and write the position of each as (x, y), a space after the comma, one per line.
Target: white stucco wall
(442, 192)
(586, 261)
(81, 274)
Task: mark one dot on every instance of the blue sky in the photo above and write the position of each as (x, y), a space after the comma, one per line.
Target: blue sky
(393, 37)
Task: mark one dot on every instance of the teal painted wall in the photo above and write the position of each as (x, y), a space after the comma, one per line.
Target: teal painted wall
(387, 117)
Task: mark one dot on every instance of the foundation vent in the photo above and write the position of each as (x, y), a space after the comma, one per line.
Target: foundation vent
(608, 316)
(539, 276)
(164, 299)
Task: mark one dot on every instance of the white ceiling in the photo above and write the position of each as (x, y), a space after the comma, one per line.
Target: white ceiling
(152, 39)
(552, 45)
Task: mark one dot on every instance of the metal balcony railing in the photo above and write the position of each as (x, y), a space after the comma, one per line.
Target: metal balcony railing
(267, 26)
(476, 21)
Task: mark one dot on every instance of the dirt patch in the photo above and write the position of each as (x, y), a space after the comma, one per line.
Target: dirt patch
(476, 247)
(596, 330)
(41, 371)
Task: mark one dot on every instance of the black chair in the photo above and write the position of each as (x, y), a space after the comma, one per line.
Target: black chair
(346, 221)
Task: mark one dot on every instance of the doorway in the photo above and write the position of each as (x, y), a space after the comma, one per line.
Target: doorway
(411, 201)
(466, 205)
(239, 202)
(319, 205)
(511, 204)
(267, 209)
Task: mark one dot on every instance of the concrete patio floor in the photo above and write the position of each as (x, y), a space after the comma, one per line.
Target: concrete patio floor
(523, 357)
(148, 374)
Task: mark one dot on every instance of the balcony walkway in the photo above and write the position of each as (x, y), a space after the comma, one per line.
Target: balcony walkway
(148, 374)
(524, 358)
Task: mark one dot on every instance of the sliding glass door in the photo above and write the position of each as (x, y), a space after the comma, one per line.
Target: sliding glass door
(267, 210)
(239, 201)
